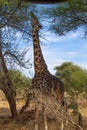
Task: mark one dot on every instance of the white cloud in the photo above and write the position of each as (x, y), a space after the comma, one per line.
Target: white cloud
(72, 54)
(49, 37)
(73, 35)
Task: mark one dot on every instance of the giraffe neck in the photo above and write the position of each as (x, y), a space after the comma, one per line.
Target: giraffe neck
(39, 62)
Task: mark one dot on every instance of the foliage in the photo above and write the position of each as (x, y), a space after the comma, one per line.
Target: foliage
(15, 15)
(15, 27)
(73, 77)
(73, 105)
(68, 17)
(19, 80)
(4, 2)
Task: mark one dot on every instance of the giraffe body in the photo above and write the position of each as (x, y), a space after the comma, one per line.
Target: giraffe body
(48, 84)
(43, 80)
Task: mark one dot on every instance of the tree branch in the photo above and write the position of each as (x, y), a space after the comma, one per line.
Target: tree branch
(1, 26)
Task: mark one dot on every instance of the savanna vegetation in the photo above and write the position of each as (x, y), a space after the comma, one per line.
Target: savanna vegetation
(16, 106)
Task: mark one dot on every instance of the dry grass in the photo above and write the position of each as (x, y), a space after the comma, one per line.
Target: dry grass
(26, 121)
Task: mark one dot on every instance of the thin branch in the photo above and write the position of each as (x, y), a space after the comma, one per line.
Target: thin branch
(18, 60)
(11, 15)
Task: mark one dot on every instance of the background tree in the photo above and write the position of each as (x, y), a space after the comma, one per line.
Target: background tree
(73, 77)
(75, 81)
(19, 80)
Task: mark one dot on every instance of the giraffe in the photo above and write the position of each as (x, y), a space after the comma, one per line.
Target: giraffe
(43, 80)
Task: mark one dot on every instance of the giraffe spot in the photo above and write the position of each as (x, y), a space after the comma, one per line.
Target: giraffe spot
(33, 35)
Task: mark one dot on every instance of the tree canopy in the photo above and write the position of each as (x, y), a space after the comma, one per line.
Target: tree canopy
(73, 77)
(68, 17)
(14, 26)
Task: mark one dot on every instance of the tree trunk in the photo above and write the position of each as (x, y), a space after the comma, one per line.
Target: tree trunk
(11, 100)
(7, 86)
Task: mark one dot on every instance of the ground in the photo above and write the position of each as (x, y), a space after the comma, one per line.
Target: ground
(26, 121)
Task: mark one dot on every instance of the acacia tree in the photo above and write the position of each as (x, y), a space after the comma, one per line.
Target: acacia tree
(6, 84)
(73, 77)
(11, 22)
(75, 81)
(68, 17)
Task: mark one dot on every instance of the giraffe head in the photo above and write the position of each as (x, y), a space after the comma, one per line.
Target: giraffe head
(35, 23)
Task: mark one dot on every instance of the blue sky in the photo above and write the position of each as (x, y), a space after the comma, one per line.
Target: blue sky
(69, 48)
(57, 50)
